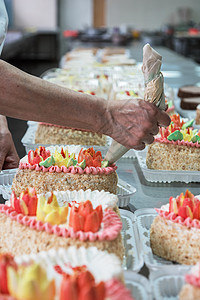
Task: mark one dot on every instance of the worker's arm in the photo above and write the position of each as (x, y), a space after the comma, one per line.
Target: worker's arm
(23, 96)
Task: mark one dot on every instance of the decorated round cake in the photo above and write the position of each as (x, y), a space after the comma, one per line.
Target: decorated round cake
(177, 147)
(65, 168)
(175, 232)
(74, 274)
(31, 223)
(54, 134)
(191, 288)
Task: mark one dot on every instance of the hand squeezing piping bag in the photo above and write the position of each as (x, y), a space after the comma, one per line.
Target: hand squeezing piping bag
(154, 93)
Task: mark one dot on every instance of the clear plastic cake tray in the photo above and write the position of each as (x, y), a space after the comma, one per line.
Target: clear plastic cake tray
(165, 175)
(28, 141)
(144, 218)
(133, 259)
(124, 190)
(166, 284)
(138, 285)
(6, 176)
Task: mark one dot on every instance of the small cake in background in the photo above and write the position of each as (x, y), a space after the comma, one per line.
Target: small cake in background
(114, 51)
(53, 134)
(176, 147)
(126, 95)
(175, 232)
(74, 274)
(191, 288)
(31, 223)
(197, 119)
(190, 96)
(190, 103)
(65, 168)
(189, 91)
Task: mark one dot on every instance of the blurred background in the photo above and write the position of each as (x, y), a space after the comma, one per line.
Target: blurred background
(55, 24)
(41, 32)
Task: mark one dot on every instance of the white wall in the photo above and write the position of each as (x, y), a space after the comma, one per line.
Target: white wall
(40, 14)
(148, 14)
(75, 14)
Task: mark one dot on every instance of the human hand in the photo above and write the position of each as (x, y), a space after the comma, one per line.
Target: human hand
(9, 158)
(133, 123)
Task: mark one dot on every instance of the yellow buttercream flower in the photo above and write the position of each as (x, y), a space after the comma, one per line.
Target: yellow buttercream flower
(30, 283)
(187, 134)
(63, 161)
(59, 159)
(48, 210)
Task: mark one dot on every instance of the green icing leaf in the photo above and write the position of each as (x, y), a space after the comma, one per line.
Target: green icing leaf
(74, 162)
(175, 136)
(48, 162)
(195, 139)
(188, 124)
(194, 131)
(71, 162)
(104, 163)
(82, 164)
(170, 103)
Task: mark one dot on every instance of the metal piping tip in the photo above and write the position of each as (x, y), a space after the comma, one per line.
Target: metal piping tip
(115, 152)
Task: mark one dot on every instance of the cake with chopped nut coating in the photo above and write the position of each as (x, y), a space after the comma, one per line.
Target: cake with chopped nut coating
(65, 168)
(175, 232)
(33, 223)
(191, 289)
(177, 147)
(53, 134)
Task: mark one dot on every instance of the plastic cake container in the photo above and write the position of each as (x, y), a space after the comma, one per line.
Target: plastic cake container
(165, 175)
(138, 285)
(124, 190)
(133, 259)
(166, 284)
(28, 141)
(6, 176)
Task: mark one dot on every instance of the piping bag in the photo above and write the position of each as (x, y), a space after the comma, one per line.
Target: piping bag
(154, 93)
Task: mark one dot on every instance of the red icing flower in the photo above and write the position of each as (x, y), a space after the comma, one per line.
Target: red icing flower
(85, 218)
(92, 159)
(6, 260)
(176, 124)
(35, 157)
(185, 206)
(63, 153)
(81, 286)
(26, 203)
(176, 120)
